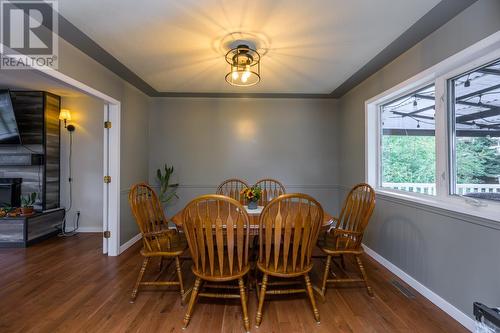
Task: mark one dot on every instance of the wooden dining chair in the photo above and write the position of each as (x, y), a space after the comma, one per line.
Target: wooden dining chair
(217, 229)
(344, 238)
(271, 188)
(158, 240)
(288, 230)
(232, 188)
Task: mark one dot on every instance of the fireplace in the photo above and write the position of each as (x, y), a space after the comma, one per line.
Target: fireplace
(10, 192)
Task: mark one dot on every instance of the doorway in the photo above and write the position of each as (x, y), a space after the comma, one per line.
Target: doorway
(111, 149)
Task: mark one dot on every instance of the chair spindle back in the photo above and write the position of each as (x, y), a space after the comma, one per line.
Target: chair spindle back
(217, 231)
(288, 230)
(271, 189)
(232, 188)
(149, 215)
(358, 208)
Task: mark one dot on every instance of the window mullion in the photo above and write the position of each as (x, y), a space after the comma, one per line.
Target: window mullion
(441, 118)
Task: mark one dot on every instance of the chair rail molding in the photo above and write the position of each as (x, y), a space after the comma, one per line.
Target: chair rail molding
(380, 195)
(297, 186)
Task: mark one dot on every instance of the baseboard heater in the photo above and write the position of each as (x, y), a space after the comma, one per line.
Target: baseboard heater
(490, 317)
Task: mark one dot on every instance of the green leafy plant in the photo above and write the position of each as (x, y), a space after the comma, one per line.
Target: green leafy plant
(28, 200)
(167, 190)
(412, 159)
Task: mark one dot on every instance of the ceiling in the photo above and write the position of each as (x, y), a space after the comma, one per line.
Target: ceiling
(308, 47)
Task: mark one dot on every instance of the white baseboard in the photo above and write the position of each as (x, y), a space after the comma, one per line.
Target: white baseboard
(441, 303)
(89, 229)
(130, 242)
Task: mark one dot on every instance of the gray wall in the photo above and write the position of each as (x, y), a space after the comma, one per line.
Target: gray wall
(134, 115)
(87, 162)
(211, 139)
(134, 153)
(455, 256)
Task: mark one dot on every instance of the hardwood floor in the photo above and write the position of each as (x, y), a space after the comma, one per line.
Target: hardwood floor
(67, 285)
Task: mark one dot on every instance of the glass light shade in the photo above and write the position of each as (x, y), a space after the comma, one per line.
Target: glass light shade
(242, 78)
(234, 74)
(64, 114)
(244, 66)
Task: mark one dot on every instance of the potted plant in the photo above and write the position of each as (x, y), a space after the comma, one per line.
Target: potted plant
(252, 195)
(167, 190)
(27, 202)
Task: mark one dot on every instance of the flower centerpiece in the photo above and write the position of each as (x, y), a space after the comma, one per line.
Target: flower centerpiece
(251, 195)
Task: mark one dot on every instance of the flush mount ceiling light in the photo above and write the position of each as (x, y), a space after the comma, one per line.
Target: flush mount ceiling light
(244, 65)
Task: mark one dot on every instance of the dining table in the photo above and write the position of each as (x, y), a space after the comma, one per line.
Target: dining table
(253, 214)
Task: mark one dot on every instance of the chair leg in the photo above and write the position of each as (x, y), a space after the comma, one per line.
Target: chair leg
(160, 264)
(310, 292)
(179, 276)
(243, 297)
(258, 317)
(139, 278)
(255, 247)
(256, 285)
(342, 261)
(363, 273)
(192, 300)
(325, 274)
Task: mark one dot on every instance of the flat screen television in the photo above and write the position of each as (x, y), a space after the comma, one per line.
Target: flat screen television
(9, 134)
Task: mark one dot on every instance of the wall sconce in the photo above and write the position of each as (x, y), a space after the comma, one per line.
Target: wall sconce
(65, 115)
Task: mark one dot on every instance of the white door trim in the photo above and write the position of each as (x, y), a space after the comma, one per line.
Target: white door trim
(113, 188)
(105, 188)
(111, 199)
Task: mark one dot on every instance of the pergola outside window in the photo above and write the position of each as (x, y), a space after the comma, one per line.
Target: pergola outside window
(408, 146)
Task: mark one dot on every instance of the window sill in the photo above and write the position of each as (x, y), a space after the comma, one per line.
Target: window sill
(455, 207)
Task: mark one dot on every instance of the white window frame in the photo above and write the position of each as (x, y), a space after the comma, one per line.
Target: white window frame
(475, 56)
(418, 86)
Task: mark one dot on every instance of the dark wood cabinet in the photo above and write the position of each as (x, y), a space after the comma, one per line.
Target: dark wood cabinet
(22, 231)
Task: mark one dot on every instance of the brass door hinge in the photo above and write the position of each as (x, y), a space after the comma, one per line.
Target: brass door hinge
(107, 234)
(107, 124)
(107, 179)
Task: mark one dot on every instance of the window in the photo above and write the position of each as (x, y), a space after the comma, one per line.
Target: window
(408, 146)
(434, 139)
(475, 133)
